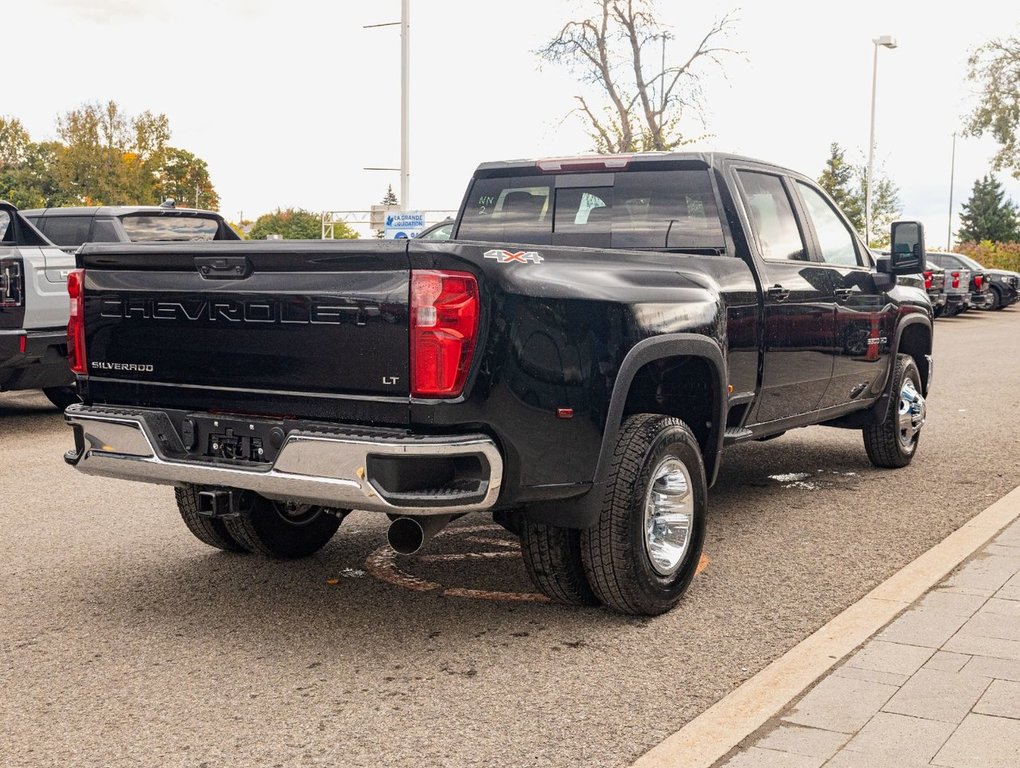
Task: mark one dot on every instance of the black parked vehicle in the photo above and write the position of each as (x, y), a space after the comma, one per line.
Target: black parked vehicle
(573, 362)
(997, 288)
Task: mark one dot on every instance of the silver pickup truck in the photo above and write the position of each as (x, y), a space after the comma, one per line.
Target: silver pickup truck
(33, 310)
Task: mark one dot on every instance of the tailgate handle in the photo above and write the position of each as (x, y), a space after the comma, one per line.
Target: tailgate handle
(223, 267)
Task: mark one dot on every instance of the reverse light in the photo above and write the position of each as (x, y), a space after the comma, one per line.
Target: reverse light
(956, 279)
(444, 328)
(76, 321)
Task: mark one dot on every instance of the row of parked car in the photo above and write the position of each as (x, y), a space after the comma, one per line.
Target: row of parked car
(956, 283)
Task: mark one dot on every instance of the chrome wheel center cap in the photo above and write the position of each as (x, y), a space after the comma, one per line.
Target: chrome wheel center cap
(669, 516)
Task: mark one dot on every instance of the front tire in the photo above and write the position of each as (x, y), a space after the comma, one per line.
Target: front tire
(643, 552)
(893, 443)
(996, 302)
(282, 530)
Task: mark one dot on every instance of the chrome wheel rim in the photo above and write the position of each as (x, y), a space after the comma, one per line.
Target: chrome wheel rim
(668, 516)
(912, 413)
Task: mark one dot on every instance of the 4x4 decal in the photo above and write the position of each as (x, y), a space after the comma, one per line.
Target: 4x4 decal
(519, 257)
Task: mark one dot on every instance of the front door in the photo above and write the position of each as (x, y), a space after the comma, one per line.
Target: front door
(798, 304)
(864, 317)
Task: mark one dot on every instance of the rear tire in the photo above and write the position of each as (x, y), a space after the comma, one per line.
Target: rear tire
(643, 552)
(283, 531)
(893, 443)
(552, 556)
(62, 397)
(208, 530)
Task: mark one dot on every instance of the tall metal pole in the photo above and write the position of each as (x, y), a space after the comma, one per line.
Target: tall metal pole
(871, 151)
(952, 177)
(405, 101)
(885, 41)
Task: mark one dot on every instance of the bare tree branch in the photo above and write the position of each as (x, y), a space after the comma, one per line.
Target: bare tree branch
(607, 50)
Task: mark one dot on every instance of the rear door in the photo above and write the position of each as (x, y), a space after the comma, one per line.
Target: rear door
(798, 303)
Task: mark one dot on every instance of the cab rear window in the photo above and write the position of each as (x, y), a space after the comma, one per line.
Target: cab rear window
(144, 228)
(634, 209)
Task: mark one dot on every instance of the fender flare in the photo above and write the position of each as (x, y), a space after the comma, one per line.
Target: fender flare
(877, 411)
(660, 348)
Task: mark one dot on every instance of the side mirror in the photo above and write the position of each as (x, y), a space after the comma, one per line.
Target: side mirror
(907, 254)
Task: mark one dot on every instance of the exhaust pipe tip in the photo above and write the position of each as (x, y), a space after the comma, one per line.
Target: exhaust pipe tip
(407, 535)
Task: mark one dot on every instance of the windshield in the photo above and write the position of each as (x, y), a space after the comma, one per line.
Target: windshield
(145, 228)
(632, 209)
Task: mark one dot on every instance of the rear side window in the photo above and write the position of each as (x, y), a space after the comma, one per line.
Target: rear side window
(771, 211)
(67, 230)
(634, 209)
(5, 225)
(146, 228)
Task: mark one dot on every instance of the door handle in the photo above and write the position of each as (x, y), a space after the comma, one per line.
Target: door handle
(778, 293)
(843, 294)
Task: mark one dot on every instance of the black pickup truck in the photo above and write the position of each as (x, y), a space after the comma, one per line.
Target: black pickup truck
(573, 362)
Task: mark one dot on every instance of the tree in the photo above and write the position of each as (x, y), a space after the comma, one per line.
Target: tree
(846, 183)
(390, 201)
(185, 178)
(988, 215)
(643, 109)
(839, 180)
(295, 224)
(111, 158)
(14, 141)
(995, 66)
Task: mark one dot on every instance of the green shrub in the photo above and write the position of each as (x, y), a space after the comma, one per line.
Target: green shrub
(993, 255)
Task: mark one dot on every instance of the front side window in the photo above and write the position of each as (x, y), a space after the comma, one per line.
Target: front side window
(834, 239)
(5, 225)
(771, 212)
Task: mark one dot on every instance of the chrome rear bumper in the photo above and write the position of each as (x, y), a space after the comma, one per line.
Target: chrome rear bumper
(314, 467)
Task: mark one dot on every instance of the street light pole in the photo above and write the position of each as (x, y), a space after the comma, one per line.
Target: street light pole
(405, 102)
(952, 178)
(885, 41)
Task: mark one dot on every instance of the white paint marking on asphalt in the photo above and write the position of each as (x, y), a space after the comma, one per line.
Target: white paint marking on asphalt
(791, 477)
(707, 738)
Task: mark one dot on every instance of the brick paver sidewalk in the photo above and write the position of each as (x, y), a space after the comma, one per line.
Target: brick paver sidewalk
(939, 686)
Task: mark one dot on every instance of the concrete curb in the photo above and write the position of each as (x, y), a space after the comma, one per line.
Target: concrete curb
(707, 738)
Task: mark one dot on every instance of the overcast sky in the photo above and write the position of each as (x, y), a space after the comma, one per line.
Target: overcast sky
(289, 101)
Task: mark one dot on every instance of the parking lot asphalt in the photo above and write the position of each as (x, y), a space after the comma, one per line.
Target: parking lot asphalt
(126, 642)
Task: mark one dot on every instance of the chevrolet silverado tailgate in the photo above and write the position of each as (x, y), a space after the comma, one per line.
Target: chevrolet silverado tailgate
(277, 322)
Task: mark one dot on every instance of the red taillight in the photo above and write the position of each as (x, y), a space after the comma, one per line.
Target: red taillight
(76, 321)
(978, 282)
(956, 279)
(444, 327)
(927, 280)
